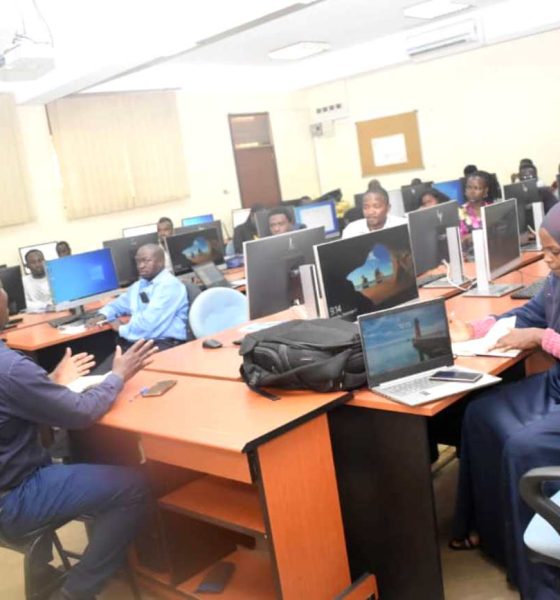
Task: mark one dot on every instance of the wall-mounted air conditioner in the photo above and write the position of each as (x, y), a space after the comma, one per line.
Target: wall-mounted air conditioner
(451, 37)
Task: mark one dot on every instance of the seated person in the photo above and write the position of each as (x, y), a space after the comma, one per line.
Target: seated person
(432, 197)
(63, 249)
(246, 231)
(280, 220)
(510, 429)
(356, 212)
(375, 210)
(36, 286)
(34, 492)
(527, 170)
(476, 196)
(156, 304)
(164, 230)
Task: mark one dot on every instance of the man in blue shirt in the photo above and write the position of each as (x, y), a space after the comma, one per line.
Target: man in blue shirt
(35, 493)
(157, 304)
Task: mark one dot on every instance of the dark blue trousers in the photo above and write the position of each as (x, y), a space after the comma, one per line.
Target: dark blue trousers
(116, 497)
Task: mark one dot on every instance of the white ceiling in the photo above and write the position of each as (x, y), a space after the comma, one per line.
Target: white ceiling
(103, 45)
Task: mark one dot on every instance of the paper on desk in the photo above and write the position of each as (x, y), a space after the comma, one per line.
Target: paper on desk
(71, 329)
(481, 346)
(80, 384)
(258, 326)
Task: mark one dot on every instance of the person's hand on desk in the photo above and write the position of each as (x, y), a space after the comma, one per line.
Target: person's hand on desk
(520, 339)
(138, 356)
(72, 366)
(460, 331)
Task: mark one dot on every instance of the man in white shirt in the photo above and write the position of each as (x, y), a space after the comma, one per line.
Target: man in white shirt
(36, 286)
(375, 207)
(164, 230)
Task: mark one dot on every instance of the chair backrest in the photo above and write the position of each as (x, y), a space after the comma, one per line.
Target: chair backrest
(217, 309)
(230, 249)
(192, 292)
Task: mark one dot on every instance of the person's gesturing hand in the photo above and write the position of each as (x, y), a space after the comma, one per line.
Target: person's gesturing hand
(72, 366)
(138, 356)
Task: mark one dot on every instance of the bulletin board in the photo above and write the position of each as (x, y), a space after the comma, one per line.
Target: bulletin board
(389, 144)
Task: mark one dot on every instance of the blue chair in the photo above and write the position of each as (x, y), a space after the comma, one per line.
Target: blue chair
(217, 309)
(542, 536)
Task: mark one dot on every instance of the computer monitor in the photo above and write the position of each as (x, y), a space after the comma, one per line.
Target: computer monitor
(501, 237)
(334, 195)
(81, 278)
(261, 220)
(411, 195)
(453, 189)
(47, 248)
(525, 193)
(13, 284)
(319, 214)
(124, 251)
(197, 220)
(139, 230)
(396, 202)
(272, 269)
(239, 216)
(366, 273)
(195, 248)
(428, 235)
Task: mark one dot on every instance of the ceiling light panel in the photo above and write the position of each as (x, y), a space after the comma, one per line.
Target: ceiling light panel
(299, 50)
(432, 9)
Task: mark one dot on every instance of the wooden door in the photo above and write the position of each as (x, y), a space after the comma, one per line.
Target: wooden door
(255, 160)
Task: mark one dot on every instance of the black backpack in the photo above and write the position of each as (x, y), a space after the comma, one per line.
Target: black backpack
(323, 355)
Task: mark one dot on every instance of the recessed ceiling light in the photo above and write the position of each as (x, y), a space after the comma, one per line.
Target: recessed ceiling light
(299, 50)
(434, 8)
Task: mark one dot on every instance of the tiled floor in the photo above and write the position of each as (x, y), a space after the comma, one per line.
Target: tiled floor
(467, 575)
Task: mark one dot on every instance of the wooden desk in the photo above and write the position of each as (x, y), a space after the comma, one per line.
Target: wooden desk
(263, 469)
(42, 335)
(219, 363)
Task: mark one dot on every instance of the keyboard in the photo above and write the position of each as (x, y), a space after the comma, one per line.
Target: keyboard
(527, 292)
(73, 319)
(428, 278)
(407, 388)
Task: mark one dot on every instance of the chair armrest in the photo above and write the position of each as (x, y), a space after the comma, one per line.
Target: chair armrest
(531, 490)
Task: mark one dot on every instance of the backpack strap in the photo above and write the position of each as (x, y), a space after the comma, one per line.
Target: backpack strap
(253, 387)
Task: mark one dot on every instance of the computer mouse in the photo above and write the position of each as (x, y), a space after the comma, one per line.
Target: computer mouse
(211, 343)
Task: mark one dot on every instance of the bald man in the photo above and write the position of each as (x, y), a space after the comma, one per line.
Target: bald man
(156, 304)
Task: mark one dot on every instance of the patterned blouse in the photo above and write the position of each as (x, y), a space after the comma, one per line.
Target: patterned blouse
(469, 219)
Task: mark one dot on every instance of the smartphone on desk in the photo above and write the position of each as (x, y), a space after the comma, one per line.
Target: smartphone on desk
(159, 388)
(457, 376)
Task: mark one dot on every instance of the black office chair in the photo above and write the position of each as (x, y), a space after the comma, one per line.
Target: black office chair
(27, 546)
(542, 535)
(192, 292)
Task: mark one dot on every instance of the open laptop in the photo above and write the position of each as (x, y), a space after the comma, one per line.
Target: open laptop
(404, 346)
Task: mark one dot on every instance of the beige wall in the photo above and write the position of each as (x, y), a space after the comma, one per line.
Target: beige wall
(210, 164)
(491, 107)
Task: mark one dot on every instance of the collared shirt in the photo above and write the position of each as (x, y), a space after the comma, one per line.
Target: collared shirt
(163, 316)
(360, 226)
(37, 293)
(29, 398)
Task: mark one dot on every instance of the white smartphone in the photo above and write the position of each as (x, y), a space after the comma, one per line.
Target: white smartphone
(458, 376)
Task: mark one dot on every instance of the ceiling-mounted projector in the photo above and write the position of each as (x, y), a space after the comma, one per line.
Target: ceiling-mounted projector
(26, 60)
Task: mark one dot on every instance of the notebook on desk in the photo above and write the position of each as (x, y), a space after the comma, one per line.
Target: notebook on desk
(404, 346)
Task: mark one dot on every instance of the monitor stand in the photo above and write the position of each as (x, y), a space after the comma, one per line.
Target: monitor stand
(456, 276)
(538, 215)
(485, 289)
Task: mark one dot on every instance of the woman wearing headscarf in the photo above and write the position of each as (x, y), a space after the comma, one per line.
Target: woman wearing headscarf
(510, 429)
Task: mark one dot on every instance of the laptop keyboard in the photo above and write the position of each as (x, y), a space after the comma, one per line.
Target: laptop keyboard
(414, 386)
(529, 290)
(428, 278)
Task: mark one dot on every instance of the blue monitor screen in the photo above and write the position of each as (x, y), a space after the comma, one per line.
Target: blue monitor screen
(453, 189)
(198, 220)
(76, 278)
(318, 214)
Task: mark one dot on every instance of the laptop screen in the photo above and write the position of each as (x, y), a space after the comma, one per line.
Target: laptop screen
(406, 340)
